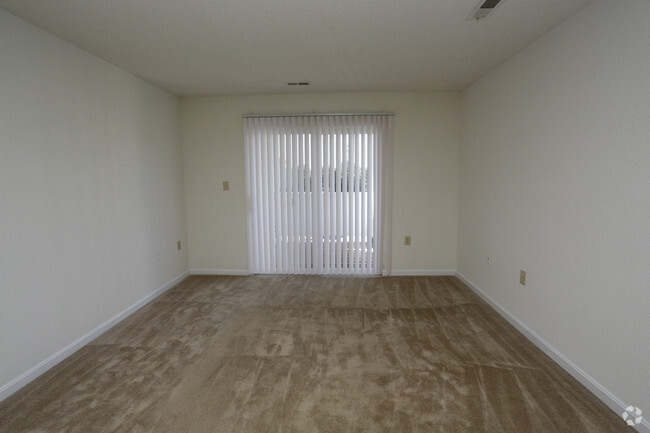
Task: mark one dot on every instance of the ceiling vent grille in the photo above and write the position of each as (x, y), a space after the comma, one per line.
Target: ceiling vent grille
(483, 9)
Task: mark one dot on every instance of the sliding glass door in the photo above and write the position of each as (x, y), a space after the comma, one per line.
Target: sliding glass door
(315, 192)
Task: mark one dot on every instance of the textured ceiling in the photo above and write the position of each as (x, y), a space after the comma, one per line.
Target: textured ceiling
(218, 47)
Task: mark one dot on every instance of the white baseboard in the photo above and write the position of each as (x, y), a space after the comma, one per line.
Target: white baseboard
(394, 272)
(219, 271)
(614, 403)
(40, 368)
(422, 272)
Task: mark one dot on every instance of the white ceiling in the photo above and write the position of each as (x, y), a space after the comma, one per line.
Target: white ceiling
(218, 47)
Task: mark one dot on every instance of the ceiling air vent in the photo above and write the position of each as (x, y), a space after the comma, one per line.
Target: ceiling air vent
(299, 83)
(483, 9)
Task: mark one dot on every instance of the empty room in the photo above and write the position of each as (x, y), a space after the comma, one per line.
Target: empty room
(309, 217)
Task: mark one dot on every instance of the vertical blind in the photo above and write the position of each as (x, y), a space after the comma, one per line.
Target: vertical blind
(318, 187)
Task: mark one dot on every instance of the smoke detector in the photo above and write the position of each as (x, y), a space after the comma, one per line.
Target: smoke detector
(483, 10)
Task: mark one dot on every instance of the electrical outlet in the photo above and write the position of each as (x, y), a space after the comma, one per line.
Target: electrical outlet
(407, 240)
(178, 245)
(522, 277)
(489, 259)
(226, 185)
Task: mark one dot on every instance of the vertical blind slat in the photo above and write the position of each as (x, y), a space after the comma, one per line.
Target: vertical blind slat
(353, 195)
(291, 180)
(277, 198)
(345, 194)
(325, 155)
(260, 198)
(361, 189)
(332, 197)
(284, 205)
(338, 132)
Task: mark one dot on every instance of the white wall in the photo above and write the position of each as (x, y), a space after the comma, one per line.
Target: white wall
(555, 179)
(425, 172)
(91, 194)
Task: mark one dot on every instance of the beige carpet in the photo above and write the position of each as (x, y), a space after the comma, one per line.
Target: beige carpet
(310, 354)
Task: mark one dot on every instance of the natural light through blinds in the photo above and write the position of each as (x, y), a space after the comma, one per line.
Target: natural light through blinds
(315, 190)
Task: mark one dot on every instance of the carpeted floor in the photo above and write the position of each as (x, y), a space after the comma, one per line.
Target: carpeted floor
(310, 354)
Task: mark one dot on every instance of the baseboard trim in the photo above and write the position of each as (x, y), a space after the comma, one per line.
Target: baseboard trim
(200, 271)
(40, 368)
(422, 272)
(394, 272)
(607, 397)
